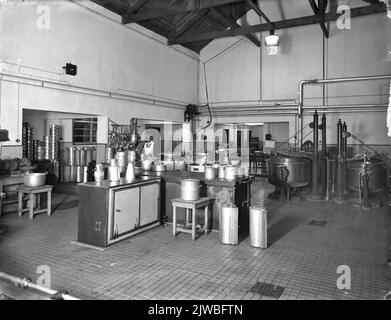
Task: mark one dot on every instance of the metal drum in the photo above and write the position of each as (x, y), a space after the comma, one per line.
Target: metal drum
(258, 227)
(71, 155)
(66, 174)
(296, 171)
(77, 157)
(190, 189)
(376, 170)
(229, 224)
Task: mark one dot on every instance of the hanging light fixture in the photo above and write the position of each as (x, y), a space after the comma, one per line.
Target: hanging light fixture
(272, 43)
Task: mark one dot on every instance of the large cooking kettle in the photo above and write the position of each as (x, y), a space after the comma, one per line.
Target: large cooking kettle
(291, 169)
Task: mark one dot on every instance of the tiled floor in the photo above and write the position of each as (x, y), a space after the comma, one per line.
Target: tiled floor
(302, 258)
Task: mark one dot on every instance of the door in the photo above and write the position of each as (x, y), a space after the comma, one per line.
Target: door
(149, 209)
(125, 211)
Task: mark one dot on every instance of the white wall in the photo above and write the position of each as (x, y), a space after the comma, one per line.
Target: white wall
(110, 57)
(360, 51)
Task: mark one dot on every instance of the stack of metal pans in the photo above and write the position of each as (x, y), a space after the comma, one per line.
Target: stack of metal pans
(54, 142)
(46, 142)
(38, 150)
(27, 141)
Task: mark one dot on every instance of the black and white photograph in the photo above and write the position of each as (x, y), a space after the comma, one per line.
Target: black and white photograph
(195, 156)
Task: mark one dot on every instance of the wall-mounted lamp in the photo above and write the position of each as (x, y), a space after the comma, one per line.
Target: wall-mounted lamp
(272, 43)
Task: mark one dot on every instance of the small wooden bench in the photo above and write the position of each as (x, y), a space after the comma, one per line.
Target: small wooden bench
(191, 208)
(34, 192)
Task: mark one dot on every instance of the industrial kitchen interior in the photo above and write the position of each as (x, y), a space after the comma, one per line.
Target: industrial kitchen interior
(212, 150)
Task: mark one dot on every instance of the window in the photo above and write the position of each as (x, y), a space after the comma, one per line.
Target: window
(84, 130)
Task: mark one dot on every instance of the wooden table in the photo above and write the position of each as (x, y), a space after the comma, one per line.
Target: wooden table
(190, 206)
(32, 192)
(12, 180)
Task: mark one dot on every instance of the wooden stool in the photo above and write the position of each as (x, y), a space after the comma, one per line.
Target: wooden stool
(191, 207)
(32, 192)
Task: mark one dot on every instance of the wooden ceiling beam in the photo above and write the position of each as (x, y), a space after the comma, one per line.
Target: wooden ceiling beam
(283, 24)
(184, 6)
(320, 11)
(188, 23)
(233, 25)
(134, 7)
(258, 10)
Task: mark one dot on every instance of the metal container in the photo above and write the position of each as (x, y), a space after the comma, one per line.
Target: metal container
(147, 165)
(159, 168)
(83, 156)
(190, 189)
(295, 171)
(138, 171)
(121, 162)
(71, 155)
(246, 171)
(109, 154)
(34, 180)
(230, 172)
(77, 157)
(229, 224)
(210, 173)
(258, 227)
(375, 169)
(131, 155)
(79, 174)
(66, 174)
(73, 174)
(180, 165)
(221, 172)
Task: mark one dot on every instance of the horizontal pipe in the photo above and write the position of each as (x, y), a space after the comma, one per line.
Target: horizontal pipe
(347, 106)
(26, 284)
(85, 90)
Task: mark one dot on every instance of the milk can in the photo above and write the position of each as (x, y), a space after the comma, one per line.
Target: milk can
(210, 173)
(229, 224)
(258, 227)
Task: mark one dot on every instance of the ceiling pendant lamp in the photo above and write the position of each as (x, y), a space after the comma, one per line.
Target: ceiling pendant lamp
(272, 43)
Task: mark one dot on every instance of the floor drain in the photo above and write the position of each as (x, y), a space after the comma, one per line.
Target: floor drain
(318, 223)
(267, 290)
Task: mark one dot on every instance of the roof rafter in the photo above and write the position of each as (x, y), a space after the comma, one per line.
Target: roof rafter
(283, 24)
(320, 10)
(184, 6)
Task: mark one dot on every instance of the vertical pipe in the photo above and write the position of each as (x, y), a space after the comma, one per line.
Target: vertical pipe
(315, 161)
(324, 141)
(339, 161)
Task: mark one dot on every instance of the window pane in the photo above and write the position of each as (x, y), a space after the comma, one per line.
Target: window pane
(85, 130)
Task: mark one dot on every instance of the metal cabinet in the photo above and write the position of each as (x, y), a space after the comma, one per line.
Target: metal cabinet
(125, 212)
(111, 213)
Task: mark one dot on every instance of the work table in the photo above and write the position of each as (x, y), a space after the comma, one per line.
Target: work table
(106, 184)
(178, 176)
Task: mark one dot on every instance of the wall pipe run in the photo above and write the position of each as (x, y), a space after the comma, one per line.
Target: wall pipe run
(315, 160)
(303, 83)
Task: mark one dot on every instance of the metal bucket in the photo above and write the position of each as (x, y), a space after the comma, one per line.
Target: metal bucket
(190, 189)
(229, 224)
(258, 227)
